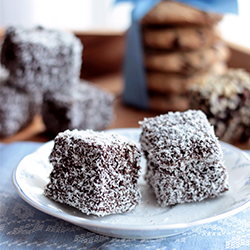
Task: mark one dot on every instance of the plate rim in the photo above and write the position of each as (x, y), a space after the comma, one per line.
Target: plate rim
(87, 223)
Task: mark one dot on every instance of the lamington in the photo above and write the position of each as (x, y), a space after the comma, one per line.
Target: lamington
(17, 108)
(84, 107)
(225, 99)
(40, 59)
(94, 172)
(4, 74)
(184, 158)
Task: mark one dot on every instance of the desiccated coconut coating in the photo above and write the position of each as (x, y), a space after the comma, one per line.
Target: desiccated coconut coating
(225, 99)
(4, 74)
(84, 107)
(17, 109)
(94, 172)
(41, 59)
(184, 158)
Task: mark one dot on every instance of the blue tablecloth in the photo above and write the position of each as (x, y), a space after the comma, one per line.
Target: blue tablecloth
(24, 227)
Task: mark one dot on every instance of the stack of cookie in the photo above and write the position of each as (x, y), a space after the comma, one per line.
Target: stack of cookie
(181, 45)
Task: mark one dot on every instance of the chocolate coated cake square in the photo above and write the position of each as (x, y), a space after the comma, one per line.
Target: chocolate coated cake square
(40, 59)
(184, 158)
(17, 108)
(84, 107)
(225, 99)
(94, 172)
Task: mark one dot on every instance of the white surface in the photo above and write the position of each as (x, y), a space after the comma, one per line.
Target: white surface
(147, 220)
(102, 14)
(66, 14)
(234, 27)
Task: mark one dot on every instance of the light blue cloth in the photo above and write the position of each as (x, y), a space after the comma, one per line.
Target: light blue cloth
(135, 90)
(24, 227)
(216, 6)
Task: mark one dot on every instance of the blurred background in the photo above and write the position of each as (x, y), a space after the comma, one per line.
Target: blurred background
(101, 26)
(66, 14)
(86, 15)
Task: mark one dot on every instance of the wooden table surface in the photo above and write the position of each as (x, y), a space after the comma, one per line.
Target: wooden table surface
(125, 116)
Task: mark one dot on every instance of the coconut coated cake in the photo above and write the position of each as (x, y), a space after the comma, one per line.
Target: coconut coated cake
(184, 158)
(225, 99)
(94, 172)
(84, 107)
(40, 59)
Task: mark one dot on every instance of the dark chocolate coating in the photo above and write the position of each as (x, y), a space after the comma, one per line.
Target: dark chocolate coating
(41, 59)
(225, 99)
(17, 109)
(184, 158)
(84, 107)
(94, 172)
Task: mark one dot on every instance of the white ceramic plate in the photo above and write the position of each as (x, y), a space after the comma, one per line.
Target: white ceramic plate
(147, 220)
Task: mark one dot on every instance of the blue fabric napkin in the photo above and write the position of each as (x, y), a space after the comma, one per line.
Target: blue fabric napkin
(135, 90)
(24, 227)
